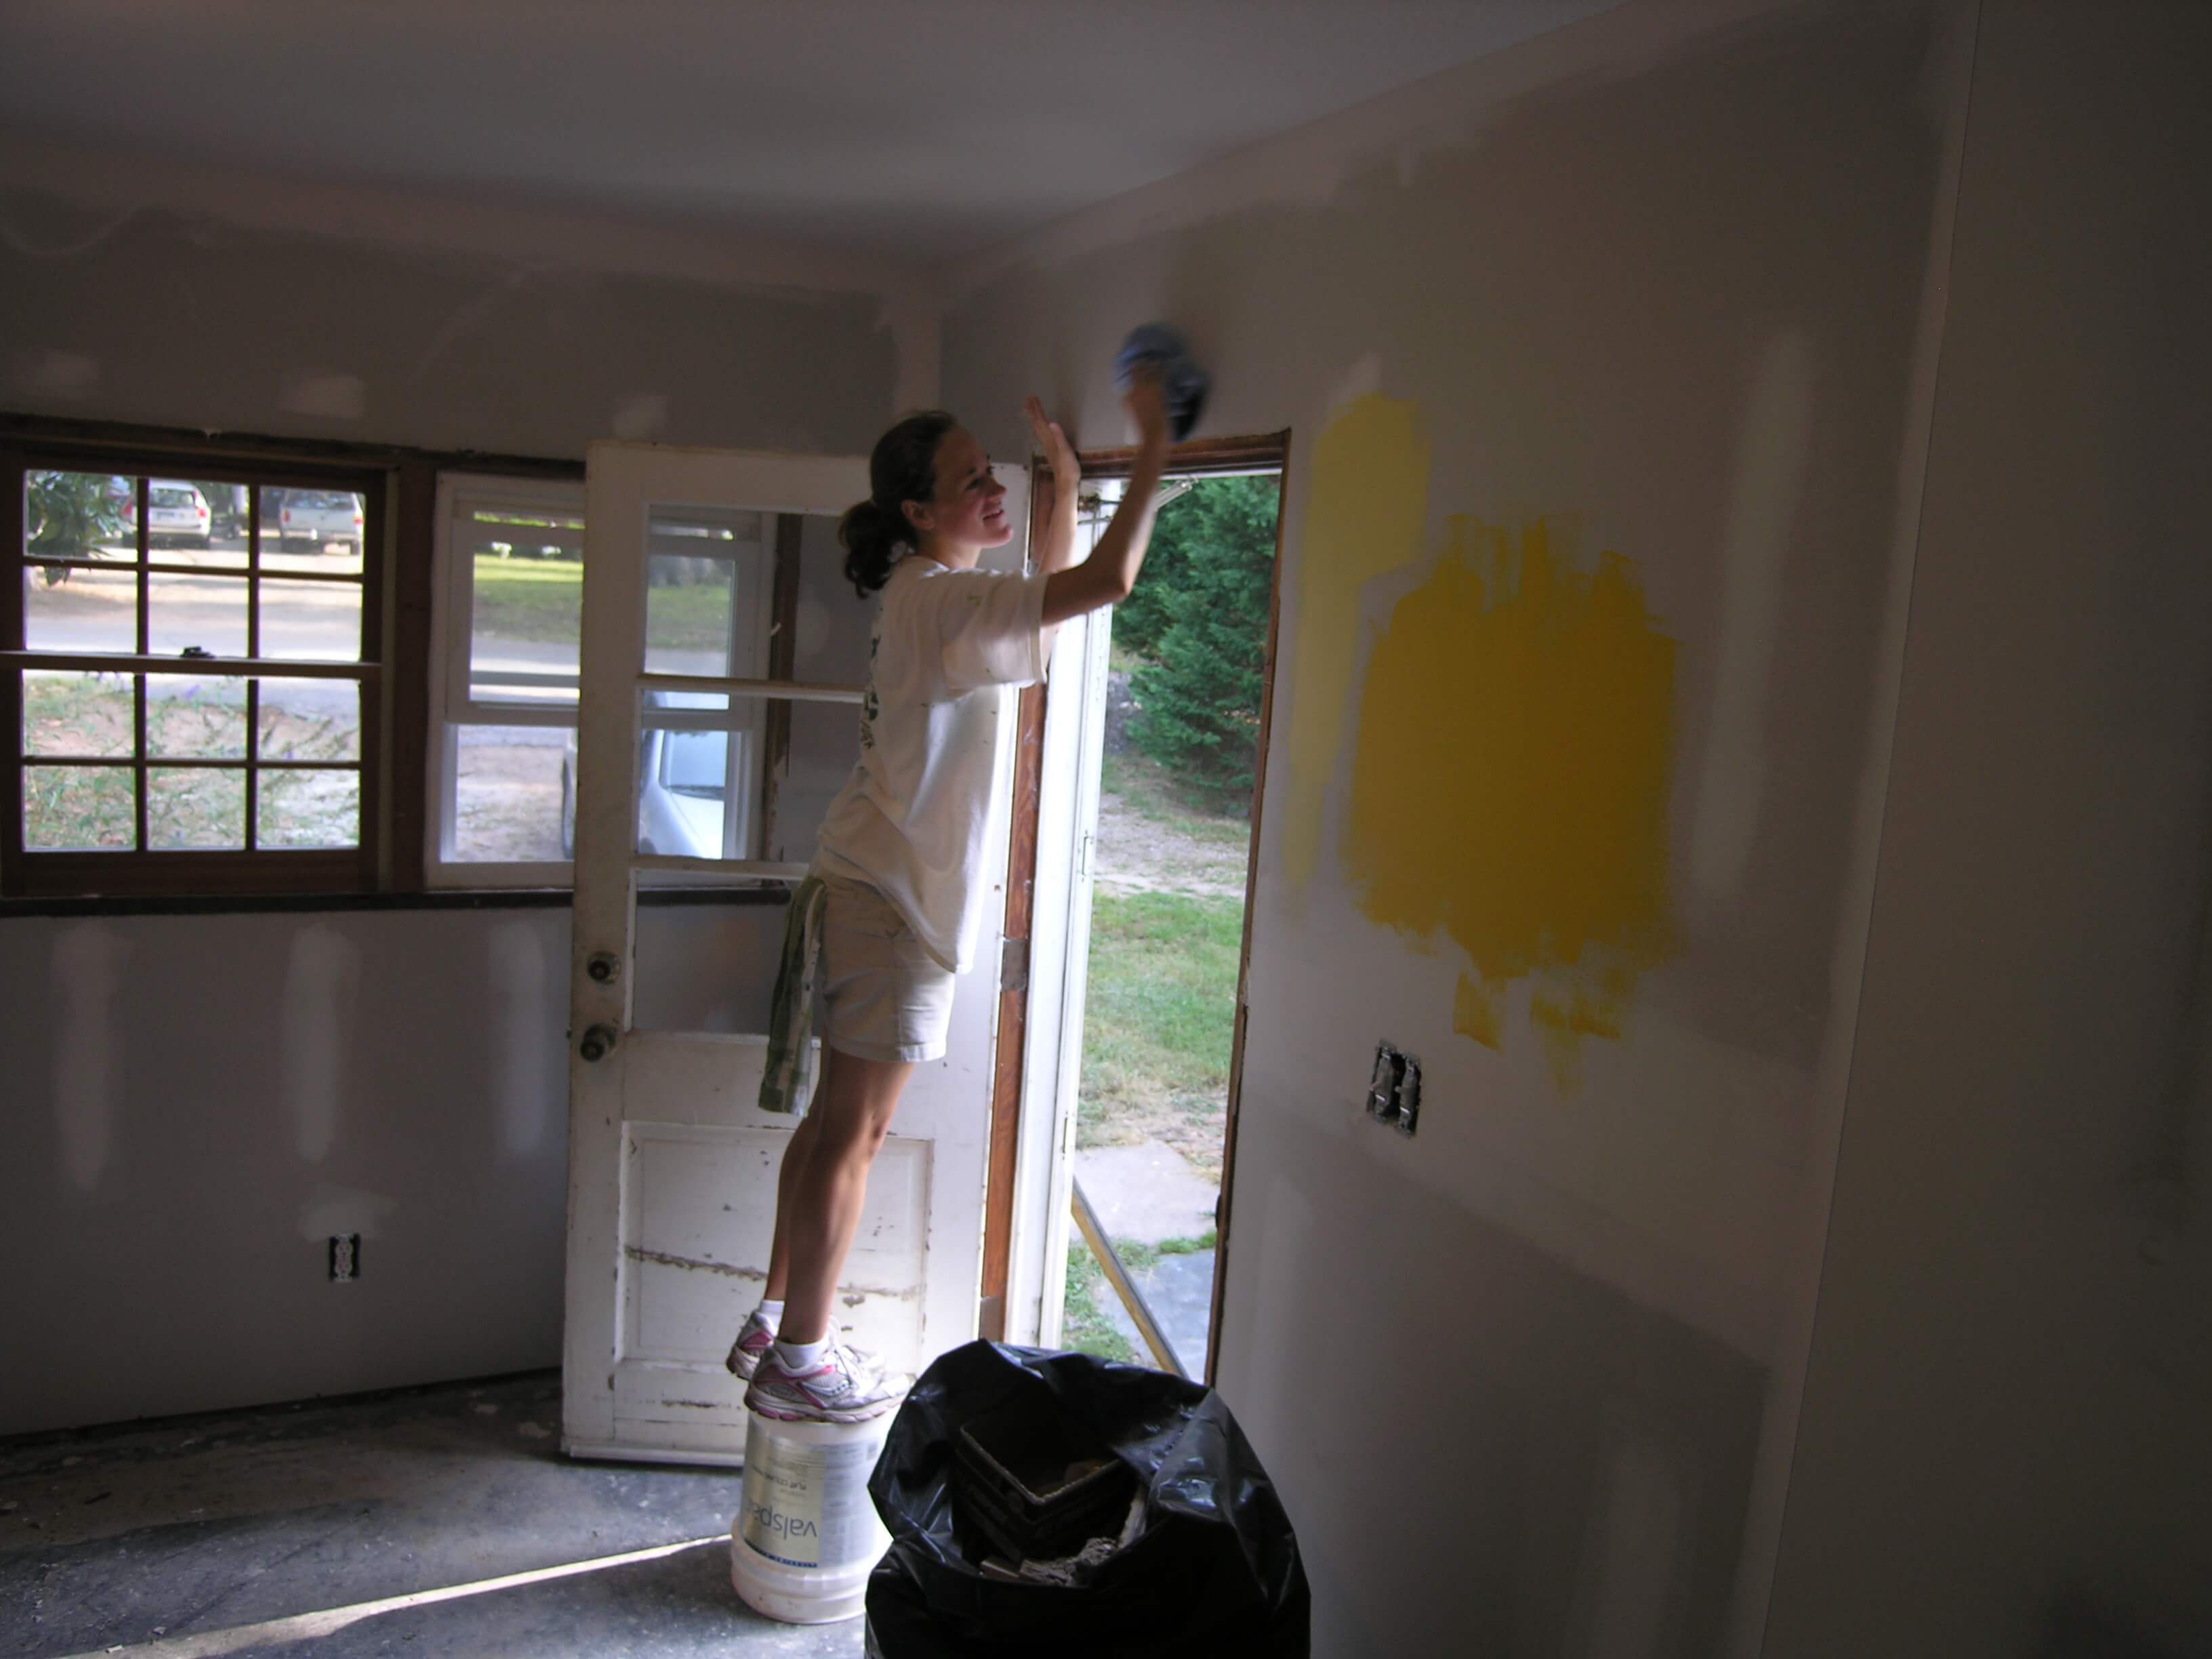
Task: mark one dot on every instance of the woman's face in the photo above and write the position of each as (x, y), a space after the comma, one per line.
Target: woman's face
(969, 511)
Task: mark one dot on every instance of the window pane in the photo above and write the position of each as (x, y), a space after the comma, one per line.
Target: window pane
(311, 529)
(79, 515)
(310, 719)
(192, 717)
(687, 821)
(195, 613)
(195, 807)
(309, 809)
(74, 608)
(525, 606)
(687, 616)
(825, 746)
(70, 714)
(706, 569)
(698, 753)
(79, 808)
(513, 794)
(316, 621)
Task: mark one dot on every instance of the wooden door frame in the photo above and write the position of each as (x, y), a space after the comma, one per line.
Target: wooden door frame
(1262, 451)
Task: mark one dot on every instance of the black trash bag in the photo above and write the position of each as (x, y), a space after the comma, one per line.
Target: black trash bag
(1213, 1567)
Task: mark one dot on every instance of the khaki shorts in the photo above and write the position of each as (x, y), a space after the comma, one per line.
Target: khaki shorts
(885, 996)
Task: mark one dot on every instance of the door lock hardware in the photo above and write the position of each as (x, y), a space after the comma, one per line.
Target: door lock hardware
(604, 968)
(599, 1042)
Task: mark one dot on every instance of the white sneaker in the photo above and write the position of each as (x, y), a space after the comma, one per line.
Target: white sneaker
(755, 1338)
(845, 1386)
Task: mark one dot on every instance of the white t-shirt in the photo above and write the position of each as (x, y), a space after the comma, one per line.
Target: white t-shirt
(910, 821)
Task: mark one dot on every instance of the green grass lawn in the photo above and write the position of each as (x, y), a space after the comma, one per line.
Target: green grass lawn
(538, 599)
(1084, 1326)
(1158, 1021)
(542, 600)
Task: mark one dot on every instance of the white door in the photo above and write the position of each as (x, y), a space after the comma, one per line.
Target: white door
(711, 734)
(1059, 961)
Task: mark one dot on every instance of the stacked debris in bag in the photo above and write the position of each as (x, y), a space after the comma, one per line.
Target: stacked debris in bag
(1036, 1497)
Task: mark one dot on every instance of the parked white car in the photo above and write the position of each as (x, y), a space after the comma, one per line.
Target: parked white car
(175, 512)
(319, 517)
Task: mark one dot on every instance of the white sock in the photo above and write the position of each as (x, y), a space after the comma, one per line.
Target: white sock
(769, 1313)
(799, 1358)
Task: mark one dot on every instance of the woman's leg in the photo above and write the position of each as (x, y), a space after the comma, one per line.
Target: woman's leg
(823, 1183)
(795, 1153)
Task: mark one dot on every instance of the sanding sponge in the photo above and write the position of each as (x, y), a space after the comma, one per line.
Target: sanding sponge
(1183, 384)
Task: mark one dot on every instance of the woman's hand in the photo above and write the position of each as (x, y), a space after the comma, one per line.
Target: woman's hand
(1051, 443)
(1147, 406)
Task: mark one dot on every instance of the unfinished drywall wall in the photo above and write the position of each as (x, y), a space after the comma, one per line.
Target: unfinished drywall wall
(240, 303)
(2007, 1439)
(1604, 353)
(197, 1103)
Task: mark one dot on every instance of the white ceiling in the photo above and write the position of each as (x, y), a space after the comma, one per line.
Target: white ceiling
(924, 129)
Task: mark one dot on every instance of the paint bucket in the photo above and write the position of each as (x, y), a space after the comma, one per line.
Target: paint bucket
(806, 1535)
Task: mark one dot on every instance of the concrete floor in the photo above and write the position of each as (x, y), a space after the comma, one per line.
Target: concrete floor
(261, 1532)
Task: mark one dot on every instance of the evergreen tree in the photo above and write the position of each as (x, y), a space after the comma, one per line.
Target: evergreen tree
(1204, 627)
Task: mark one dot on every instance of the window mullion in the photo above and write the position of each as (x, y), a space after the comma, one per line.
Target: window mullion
(252, 764)
(139, 773)
(142, 546)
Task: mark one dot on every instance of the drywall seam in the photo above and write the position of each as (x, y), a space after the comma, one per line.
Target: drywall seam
(1767, 1510)
(1305, 166)
(123, 183)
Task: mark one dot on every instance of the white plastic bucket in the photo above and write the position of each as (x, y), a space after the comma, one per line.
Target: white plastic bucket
(806, 1533)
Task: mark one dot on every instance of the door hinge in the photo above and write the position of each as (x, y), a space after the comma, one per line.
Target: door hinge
(1082, 856)
(1014, 965)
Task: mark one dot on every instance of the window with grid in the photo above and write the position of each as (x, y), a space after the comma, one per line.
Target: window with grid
(192, 677)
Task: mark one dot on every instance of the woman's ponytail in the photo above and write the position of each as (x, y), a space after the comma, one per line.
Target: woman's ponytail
(871, 542)
(903, 469)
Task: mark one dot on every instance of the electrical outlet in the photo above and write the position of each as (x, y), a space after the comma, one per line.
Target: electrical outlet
(1409, 1095)
(1394, 1089)
(346, 1256)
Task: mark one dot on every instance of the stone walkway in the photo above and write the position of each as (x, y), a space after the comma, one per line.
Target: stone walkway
(1149, 1194)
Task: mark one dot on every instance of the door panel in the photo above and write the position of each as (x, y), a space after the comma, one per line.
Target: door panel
(715, 624)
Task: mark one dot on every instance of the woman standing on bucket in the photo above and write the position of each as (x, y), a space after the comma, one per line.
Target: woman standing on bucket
(888, 913)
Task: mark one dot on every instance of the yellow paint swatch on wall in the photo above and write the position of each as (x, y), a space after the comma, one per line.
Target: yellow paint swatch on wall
(1366, 510)
(1511, 778)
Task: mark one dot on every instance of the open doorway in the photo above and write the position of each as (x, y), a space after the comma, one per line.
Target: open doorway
(1156, 1029)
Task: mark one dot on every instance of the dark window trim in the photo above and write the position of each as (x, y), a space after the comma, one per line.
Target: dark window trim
(245, 448)
(443, 898)
(400, 484)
